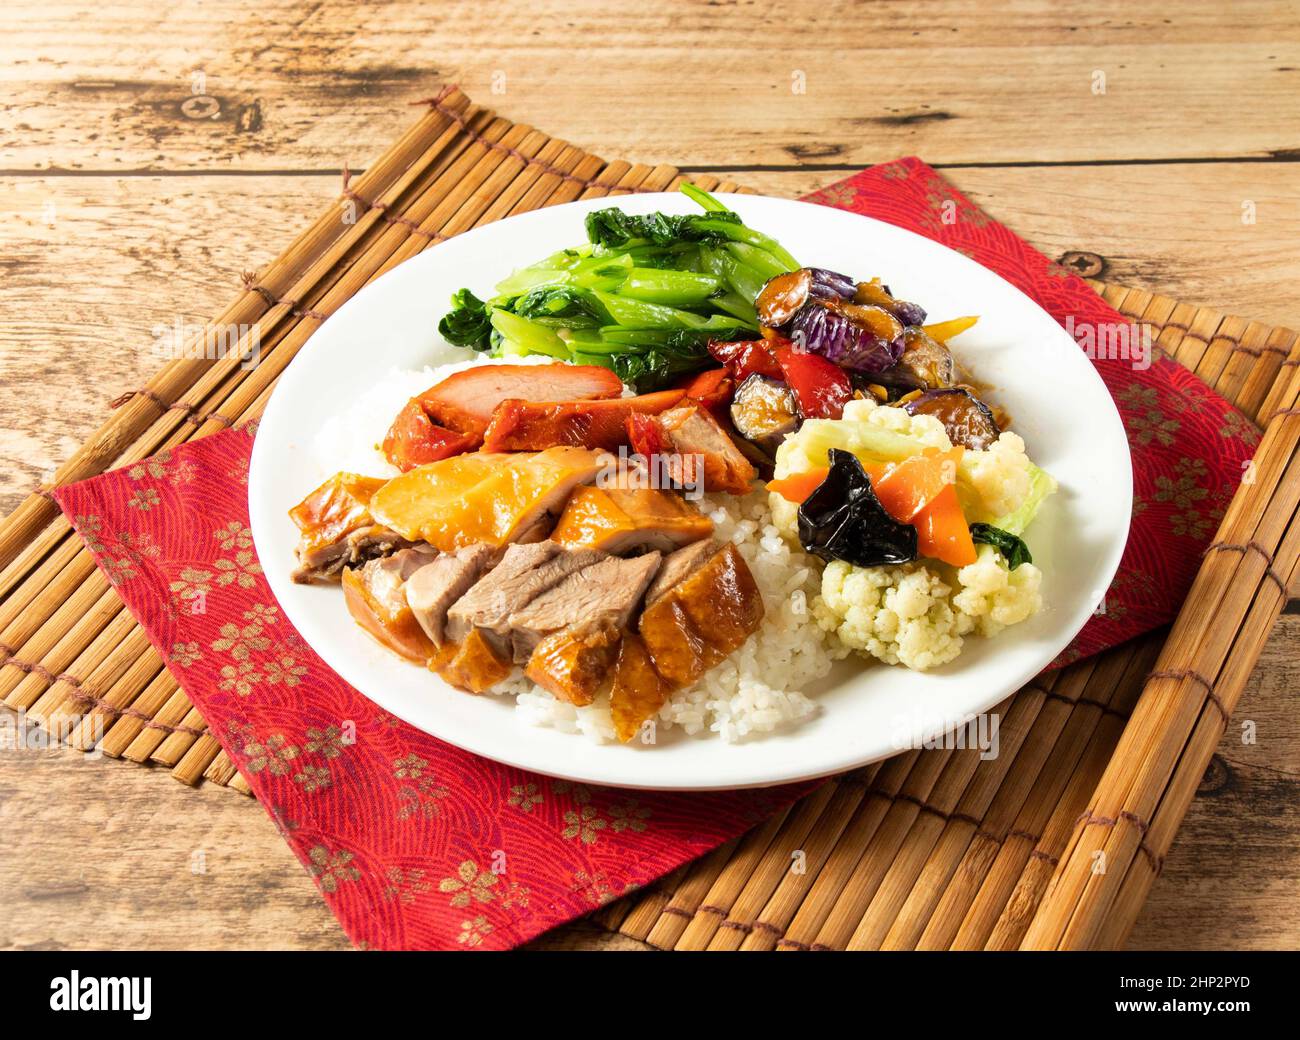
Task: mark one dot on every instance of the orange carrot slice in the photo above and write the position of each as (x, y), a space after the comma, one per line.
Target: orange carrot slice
(942, 532)
(905, 488)
(798, 486)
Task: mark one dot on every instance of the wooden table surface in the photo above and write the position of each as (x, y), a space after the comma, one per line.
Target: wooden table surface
(152, 152)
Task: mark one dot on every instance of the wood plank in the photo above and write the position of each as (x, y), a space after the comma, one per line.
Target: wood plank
(292, 87)
(115, 868)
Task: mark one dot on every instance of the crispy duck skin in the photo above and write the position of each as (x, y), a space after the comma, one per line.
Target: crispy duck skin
(326, 519)
(639, 691)
(531, 425)
(474, 665)
(617, 520)
(702, 619)
(483, 496)
(573, 663)
(375, 599)
(677, 566)
(464, 401)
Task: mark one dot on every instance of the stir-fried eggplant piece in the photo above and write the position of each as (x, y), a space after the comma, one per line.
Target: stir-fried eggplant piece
(764, 411)
(843, 520)
(965, 417)
(926, 364)
(816, 309)
(878, 294)
(783, 297)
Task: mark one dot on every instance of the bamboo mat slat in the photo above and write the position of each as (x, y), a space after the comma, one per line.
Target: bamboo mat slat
(929, 850)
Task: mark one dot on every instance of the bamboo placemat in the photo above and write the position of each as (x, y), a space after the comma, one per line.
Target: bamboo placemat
(1053, 843)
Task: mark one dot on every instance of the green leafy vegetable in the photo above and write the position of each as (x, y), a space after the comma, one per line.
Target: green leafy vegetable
(1041, 484)
(559, 305)
(467, 323)
(1011, 546)
(642, 297)
(612, 227)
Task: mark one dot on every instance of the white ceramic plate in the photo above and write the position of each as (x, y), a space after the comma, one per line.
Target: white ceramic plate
(867, 711)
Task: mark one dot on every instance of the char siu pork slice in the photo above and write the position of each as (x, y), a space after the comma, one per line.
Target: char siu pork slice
(525, 572)
(432, 589)
(603, 595)
(534, 425)
(677, 566)
(621, 520)
(465, 401)
(693, 447)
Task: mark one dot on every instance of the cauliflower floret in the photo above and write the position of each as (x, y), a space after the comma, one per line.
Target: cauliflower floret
(1001, 474)
(860, 408)
(916, 614)
(926, 429)
(995, 596)
(908, 614)
(899, 614)
(785, 515)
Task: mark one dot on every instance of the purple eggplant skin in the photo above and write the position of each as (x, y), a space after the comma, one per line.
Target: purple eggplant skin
(965, 417)
(843, 520)
(784, 295)
(830, 285)
(909, 313)
(822, 312)
(823, 330)
(763, 411)
(880, 296)
(923, 364)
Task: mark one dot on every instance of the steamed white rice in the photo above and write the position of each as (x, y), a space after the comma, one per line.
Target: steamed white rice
(755, 690)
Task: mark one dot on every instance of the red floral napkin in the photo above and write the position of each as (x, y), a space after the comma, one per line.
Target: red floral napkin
(418, 844)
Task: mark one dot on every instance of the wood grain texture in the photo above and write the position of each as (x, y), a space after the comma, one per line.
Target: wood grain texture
(135, 194)
(284, 84)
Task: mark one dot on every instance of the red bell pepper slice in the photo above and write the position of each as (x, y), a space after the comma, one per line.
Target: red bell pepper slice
(821, 387)
(713, 388)
(745, 358)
